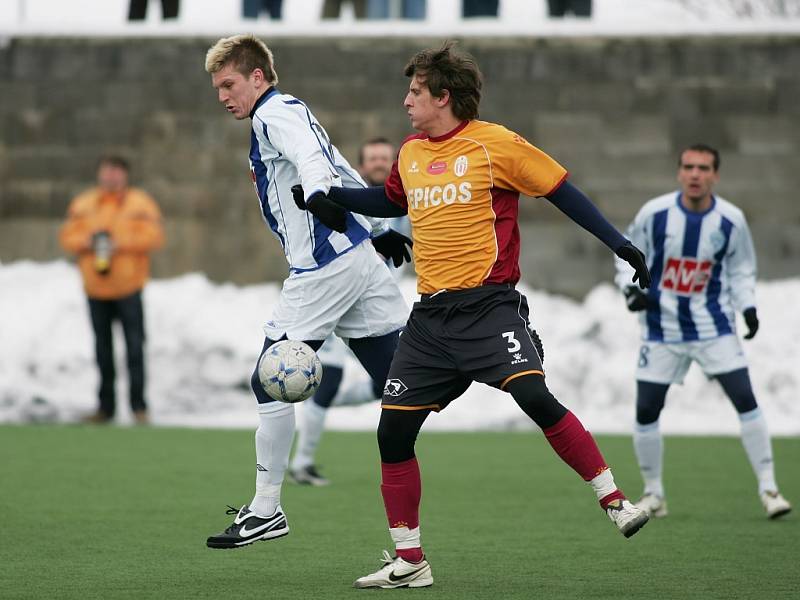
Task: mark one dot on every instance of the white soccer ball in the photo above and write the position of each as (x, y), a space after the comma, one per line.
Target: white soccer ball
(290, 371)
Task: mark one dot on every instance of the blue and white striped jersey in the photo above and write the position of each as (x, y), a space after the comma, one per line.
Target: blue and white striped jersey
(289, 146)
(703, 267)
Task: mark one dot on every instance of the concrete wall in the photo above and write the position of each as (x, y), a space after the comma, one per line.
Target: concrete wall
(614, 111)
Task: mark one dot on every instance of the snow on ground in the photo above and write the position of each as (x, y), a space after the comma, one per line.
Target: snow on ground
(203, 340)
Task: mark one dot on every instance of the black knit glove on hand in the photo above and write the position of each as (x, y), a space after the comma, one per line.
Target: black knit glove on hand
(299, 196)
(635, 258)
(394, 245)
(751, 320)
(328, 212)
(635, 298)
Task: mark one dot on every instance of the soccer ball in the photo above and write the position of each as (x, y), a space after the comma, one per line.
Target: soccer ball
(290, 371)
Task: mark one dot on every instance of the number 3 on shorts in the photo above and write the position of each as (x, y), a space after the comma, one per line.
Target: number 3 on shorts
(513, 344)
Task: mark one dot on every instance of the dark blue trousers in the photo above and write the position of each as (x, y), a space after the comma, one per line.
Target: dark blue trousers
(129, 312)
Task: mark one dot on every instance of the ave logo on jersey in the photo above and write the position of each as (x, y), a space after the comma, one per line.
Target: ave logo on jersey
(686, 276)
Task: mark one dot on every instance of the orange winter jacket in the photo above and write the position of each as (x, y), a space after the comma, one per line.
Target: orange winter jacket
(133, 221)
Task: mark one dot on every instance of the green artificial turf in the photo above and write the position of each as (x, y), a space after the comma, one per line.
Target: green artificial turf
(106, 512)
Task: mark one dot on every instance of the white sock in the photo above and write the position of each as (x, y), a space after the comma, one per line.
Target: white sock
(313, 423)
(756, 442)
(273, 444)
(603, 484)
(649, 447)
(405, 538)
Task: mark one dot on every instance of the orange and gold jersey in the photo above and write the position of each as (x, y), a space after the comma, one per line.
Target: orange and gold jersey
(462, 193)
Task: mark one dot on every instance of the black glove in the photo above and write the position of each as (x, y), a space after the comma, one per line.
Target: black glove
(299, 196)
(751, 320)
(328, 212)
(635, 258)
(394, 245)
(635, 298)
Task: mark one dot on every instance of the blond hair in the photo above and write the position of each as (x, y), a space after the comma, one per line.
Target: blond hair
(246, 53)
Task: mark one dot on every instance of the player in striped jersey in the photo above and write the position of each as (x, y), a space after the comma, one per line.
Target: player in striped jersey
(702, 258)
(337, 282)
(375, 159)
(459, 180)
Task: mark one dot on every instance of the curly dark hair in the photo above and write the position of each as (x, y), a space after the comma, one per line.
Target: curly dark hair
(445, 69)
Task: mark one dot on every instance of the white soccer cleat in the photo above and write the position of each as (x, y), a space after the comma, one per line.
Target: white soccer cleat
(775, 504)
(397, 573)
(655, 506)
(628, 517)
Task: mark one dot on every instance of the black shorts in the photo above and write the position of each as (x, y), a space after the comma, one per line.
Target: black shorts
(454, 338)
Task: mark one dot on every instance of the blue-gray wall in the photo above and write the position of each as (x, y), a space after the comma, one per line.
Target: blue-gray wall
(615, 112)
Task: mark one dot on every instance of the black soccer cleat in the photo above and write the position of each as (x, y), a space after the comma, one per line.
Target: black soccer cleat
(248, 527)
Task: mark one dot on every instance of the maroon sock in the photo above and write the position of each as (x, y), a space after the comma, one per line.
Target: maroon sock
(615, 495)
(401, 488)
(412, 555)
(576, 447)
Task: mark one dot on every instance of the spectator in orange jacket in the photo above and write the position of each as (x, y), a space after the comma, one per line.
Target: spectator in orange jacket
(112, 228)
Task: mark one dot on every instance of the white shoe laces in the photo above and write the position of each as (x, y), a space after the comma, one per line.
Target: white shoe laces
(383, 574)
(388, 565)
(387, 559)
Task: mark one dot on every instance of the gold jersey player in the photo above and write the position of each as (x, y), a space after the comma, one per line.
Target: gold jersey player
(459, 180)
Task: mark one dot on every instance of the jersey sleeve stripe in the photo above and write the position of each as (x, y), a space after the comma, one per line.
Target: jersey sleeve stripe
(488, 157)
(262, 182)
(715, 285)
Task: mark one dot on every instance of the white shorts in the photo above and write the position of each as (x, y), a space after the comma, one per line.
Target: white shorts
(333, 352)
(668, 363)
(354, 296)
